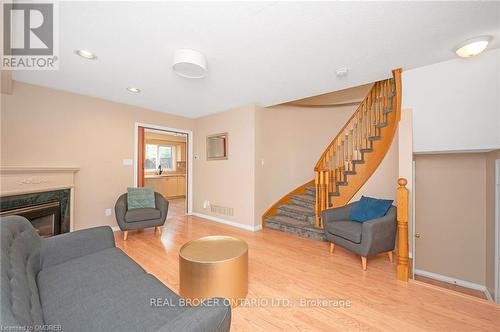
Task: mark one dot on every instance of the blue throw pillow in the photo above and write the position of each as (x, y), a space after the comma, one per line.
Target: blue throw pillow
(139, 198)
(370, 208)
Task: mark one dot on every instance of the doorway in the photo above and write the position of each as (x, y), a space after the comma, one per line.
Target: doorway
(163, 162)
(448, 196)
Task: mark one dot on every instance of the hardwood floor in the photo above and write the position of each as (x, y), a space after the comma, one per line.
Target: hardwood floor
(283, 266)
(176, 207)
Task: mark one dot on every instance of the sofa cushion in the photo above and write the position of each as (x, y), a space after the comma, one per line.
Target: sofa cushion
(349, 230)
(142, 214)
(123, 306)
(370, 208)
(81, 278)
(138, 198)
(20, 263)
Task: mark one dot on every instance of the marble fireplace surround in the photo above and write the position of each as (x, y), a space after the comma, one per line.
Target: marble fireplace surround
(17, 180)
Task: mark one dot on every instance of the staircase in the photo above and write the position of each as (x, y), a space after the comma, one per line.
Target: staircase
(298, 215)
(345, 165)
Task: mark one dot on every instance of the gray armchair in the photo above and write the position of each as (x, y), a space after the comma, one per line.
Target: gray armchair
(365, 239)
(141, 218)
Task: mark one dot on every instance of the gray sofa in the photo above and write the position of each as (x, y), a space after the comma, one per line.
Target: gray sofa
(80, 281)
(365, 239)
(140, 218)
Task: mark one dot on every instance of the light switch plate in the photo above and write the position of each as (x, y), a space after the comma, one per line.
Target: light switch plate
(127, 162)
(107, 212)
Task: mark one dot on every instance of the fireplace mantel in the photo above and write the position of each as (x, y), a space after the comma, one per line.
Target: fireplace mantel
(18, 180)
(37, 169)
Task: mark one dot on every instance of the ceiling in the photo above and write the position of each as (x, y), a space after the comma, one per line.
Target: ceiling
(258, 52)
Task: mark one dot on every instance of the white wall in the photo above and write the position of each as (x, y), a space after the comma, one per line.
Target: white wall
(455, 104)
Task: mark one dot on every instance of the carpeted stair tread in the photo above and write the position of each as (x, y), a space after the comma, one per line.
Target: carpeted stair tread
(297, 209)
(306, 198)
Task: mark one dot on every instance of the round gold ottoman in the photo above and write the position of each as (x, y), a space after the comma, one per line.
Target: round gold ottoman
(214, 266)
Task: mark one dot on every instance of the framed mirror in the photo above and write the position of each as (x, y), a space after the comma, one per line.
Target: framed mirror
(217, 147)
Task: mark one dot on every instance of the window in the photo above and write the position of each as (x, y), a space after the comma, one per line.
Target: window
(159, 155)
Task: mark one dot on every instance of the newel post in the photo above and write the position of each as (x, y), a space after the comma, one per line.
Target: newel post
(402, 217)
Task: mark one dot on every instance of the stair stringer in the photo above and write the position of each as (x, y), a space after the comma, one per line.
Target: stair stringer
(286, 199)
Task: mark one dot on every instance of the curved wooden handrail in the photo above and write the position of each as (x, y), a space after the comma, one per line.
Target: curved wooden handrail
(371, 128)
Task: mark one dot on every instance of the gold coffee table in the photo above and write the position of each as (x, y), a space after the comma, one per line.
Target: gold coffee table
(214, 266)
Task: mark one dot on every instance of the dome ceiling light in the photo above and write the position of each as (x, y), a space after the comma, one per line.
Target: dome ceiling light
(472, 47)
(133, 89)
(189, 63)
(86, 54)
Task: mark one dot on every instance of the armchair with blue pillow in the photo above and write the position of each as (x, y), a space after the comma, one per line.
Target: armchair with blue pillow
(367, 227)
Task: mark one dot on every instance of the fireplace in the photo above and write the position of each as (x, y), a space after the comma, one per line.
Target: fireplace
(48, 211)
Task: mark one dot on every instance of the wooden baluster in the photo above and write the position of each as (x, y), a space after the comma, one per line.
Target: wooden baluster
(375, 108)
(384, 100)
(365, 125)
(318, 198)
(402, 217)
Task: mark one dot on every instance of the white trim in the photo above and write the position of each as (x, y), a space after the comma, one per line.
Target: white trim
(412, 193)
(497, 231)
(456, 151)
(255, 228)
(488, 295)
(189, 158)
(115, 228)
(450, 280)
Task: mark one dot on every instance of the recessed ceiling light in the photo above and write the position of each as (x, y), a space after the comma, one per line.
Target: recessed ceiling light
(473, 46)
(133, 90)
(86, 54)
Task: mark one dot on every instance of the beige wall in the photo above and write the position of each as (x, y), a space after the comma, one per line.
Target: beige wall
(228, 183)
(491, 158)
(290, 139)
(383, 182)
(41, 126)
(451, 215)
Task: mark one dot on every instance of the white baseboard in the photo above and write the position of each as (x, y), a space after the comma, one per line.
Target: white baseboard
(488, 295)
(115, 228)
(227, 222)
(453, 281)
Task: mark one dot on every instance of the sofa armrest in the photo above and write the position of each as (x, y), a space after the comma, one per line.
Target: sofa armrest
(379, 235)
(61, 248)
(213, 315)
(338, 214)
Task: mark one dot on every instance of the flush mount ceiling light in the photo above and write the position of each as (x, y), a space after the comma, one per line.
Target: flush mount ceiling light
(189, 63)
(133, 90)
(86, 54)
(473, 46)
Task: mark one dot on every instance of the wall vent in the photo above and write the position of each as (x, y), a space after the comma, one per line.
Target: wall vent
(223, 210)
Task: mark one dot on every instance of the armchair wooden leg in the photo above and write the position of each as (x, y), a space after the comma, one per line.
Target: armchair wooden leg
(125, 235)
(332, 247)
(158, 230)
(363, 263)
(389, 253)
